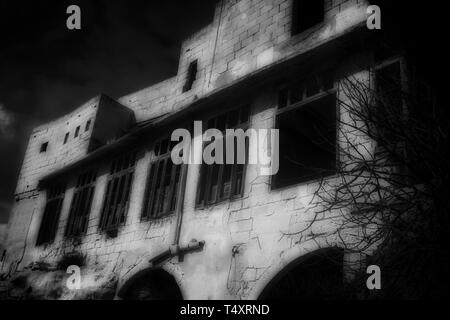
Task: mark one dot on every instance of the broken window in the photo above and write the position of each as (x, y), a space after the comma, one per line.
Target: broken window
(306, 120)
(81, 204)
(219, 182)
(118, 189)
(191, 76)
(66, 138)
(44, 147)
(49, 223)
(306, 14)
(163, 182)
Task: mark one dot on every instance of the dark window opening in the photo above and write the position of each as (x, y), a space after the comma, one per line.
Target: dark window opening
(306, 14)
(191, 76)
(88, 125)
(49, 223)
(392, 109)
(44, 147)
(81, 204)
(389, 104)
(66, 138)
(307, 135)
(219, 182)
(301, 91)
(162, 183)
(388, 82)
(77, 131)
(118, 189)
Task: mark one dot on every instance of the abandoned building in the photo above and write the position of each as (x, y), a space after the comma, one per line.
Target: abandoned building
(98, 189)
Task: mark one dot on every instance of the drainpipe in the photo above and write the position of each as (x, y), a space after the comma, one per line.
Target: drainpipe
(180, 205)
(175, 249)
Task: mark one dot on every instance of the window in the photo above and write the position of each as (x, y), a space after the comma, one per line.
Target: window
(81, 204)
(49, 223)
(191, 76)
(118, 189)
(306, 14)
(88, 125)
(390, 111)
(219, 182)
(388, 82)
(77, 131)
(66, 138)
(307, 122)
(44, 147)
(163, 183)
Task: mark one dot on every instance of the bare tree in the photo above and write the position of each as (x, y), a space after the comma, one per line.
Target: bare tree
(391, 191)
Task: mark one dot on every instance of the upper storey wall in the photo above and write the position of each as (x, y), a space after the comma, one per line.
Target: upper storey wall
(244, 37)
(38, 163)
(99, 121)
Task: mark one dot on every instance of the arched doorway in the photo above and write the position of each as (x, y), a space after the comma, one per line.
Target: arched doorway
(317, 275)
(154, 284)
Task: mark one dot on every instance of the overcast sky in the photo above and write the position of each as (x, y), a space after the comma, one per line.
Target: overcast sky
(47, 70)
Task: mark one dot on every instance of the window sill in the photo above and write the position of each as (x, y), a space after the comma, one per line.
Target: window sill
(301, 182)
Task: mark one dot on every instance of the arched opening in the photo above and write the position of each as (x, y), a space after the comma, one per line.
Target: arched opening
(155, 284)
(315, 276)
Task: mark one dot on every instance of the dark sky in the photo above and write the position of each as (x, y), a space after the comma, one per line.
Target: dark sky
(47, 70)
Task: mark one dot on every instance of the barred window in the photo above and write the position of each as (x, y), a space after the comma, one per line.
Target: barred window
(118, 189)
(219, 182)
(307, 119)
(81, 204)
(162, 184)
(49, 223)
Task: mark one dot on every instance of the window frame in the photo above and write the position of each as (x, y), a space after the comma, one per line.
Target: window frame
(86, 182)
(54, 194)
(208, 169)
(324, 92)
(124, 203)
(153, 192)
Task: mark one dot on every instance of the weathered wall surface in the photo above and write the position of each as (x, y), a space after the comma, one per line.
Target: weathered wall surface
(249, 240)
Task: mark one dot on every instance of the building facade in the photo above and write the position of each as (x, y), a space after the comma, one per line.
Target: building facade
(98, 190)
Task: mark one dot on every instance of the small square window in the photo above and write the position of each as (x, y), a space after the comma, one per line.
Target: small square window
(77, 131)
(88, 125)
(191, 76)
(306, 14)
(44, 147)
(66, 138)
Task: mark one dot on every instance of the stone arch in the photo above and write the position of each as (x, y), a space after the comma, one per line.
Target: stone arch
(151, 284)
(315, 275)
